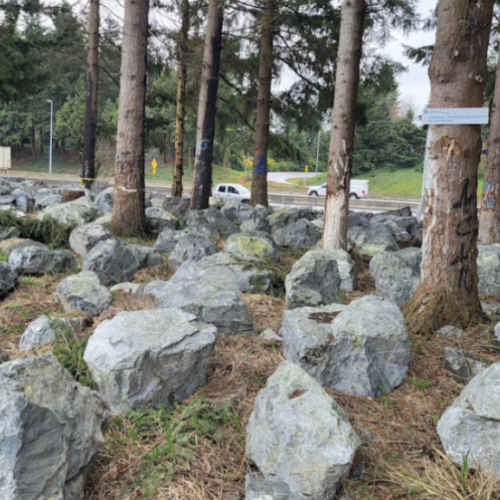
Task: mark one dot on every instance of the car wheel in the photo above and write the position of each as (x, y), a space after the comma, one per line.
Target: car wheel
(354, 195)
(313, 193)
(246, 202)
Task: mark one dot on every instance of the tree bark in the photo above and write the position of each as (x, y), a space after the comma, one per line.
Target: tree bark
(33, 142)
(41, 141)
(181, 102)
(448, 292)
(489, 220)
(207, 107)
(261, 139)
(128, 211)
(90, 131)
(343, 121)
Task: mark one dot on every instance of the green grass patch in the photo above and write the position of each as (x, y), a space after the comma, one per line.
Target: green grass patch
(421, 383)
(3, 257)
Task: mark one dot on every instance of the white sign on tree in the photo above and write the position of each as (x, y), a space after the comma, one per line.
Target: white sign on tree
(455, 116)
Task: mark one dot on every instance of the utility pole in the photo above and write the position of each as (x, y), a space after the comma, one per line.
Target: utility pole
(51, 120)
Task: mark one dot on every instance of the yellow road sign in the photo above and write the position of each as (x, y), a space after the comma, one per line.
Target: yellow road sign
(154, 163)
(307, 168)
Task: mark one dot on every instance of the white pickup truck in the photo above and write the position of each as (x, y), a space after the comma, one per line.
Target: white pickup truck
(358, 189)
(232, 192)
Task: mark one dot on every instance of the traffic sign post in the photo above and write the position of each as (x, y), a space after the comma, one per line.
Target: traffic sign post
(154, 164)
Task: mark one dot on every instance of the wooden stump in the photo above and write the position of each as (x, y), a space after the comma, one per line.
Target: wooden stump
(72, 194)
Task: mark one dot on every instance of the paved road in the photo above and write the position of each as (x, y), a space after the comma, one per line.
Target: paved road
(283, 176)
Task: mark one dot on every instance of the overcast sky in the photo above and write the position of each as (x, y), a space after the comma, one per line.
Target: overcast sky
(414, 83)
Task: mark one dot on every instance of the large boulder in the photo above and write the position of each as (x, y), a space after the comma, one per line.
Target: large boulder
(158, 219)
(7, 233)
(4, 356)
(8, 279)
(149, 358)
(347, 269)
(112, 261)
(83, 292)
(190, 247)
(52, 428)
(463, 363)
(313, 281)
(261, 489)
(167, 240)
(394, 279)
(300, 234)
(404, 229)
(236, 211)
(145, 256)
(298, 435)
(211, 223)
(105, 200)
(38, 332)
(364, 350)
(287, 216)
(251, 248)
(83, 238)
(215, 301)
(488, 269)
(47, 199)
(78, 212)
(178, 207)
(40, 260)
(25, 202)
(256, 222)
(369, 241)
(470, 427)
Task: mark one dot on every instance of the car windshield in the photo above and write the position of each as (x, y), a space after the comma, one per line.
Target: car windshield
(243, 189)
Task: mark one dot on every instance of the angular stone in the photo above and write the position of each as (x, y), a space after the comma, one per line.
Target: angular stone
(45, 200)
(145, 256)
(287, 216)
(8, 280)
(112, 261)
(412, 257)
(52, 428)
(462, 363)
(105, 200)
(251, 248)
(157, 220)
(190, 247)
(135, 289)
(394, 279)
(236, 211)
(298, 435)
(4, 356)
(470, 427)
(256, 223)
(8, 233)
(363, 351)
(488, 269)
(211, 223)
(83, 238)
(25, 202)
(167, 240)
(369, 241)
(40, 260)
(149, 358)
(38, 332)
(300, 234)
(78, 212)
(178, 207)
(270, 334)
(451, 332)
(313, 281)
(262, 489)
(83, 292)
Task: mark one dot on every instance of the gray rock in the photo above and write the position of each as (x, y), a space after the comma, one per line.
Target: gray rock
(178, 207)
(256, 223)
(270, 334)
(357, 219)
(45, 200)
(190, 247)
(491, 308)
(112, 261)
(394, 279)
(157, 220)
(7, 200)
(39, 332)
(83, 238)
(369, 241)
(300, 234)
(488, 270)
(211, 223)
(470, 427)
(412, 257)
(80, 211)
(251, 248)
(287, 216)
(5, 187)
(4, 356)
(83, 292)
(250, 277)
(298, 435)
(25, 202)
(220, 304)
(104, 219)
(450, 332)
(105, 200)
(167, 240)
(313, 281)
(135, 289)
(145, 256)
(363, 351)
(7, 233)
(8, 280)
(462, 363)
(52, 428)
(404, 229)
(236, 211)
(148, 358)
(40, 260)
(398, 212)
(8, 246)
(262, 489)
(347, 269)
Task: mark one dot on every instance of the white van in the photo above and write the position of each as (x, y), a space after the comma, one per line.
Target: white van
(358, 189)
(232, 192)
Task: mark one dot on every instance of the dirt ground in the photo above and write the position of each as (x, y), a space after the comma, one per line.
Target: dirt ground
(197, 451)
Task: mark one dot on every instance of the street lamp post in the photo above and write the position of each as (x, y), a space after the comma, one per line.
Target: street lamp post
(51, 119)
(317, 153)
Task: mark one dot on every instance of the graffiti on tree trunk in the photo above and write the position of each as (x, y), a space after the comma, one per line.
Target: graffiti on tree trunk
(466, 229)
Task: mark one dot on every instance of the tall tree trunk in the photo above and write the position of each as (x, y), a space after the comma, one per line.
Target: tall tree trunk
(181, 102)
(63, 149)
(448, 293)
(207, 107)
(489, 220)
(261, 139)
(190, 157)
(41, 141)
(128, 211)
(33, 142)
(343, 120)
(90, 131)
